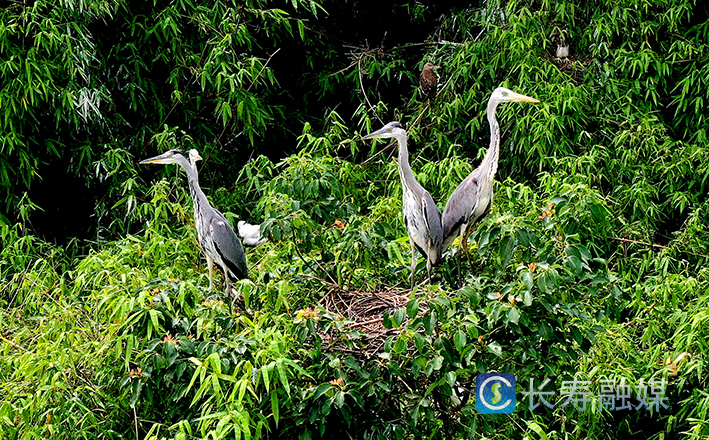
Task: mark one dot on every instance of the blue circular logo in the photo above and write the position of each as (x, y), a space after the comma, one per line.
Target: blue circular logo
(495, 393)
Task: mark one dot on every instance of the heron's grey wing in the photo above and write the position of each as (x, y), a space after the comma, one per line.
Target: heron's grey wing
(459, 208)
(432, 217)
(228, 246)
(220, 215)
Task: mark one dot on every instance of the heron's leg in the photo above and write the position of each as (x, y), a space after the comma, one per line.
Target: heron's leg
(413, 262)
(428, 268)
(210, 265)
(464, 243)
(457, 263)
(227, 288)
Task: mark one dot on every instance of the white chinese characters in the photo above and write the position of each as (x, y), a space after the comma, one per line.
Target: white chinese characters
(610, 396)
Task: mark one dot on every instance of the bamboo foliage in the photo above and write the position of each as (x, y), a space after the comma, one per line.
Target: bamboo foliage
(591, 263)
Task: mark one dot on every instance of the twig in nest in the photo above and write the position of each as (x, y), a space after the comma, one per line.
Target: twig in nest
(371, 321)
(366, 310)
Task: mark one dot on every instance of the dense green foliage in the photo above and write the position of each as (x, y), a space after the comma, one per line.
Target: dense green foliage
(591, 264)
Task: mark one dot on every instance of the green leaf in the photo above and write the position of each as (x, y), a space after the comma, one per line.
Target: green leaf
(460, 339)
(339, 399)
(545, 331)
(575, 265)
(522, 237)
(534, 426)
(527, 279)
(419, 342)
(274, 406)
(436, 363)
(494, 348)
(280, 367)
(513, 315)
(578, 337)
(429, 321)
(527, 298)
(412, 308)
(451, 378)
(387, 320)
(399, 346)
(399, 317)
(130, 340)
(323, 388)
(508, 245)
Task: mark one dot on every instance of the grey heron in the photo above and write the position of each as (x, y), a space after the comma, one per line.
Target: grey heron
(471, 200)
(421, 215)
(214, 233)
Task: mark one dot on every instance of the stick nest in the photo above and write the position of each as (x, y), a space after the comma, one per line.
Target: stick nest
(363, 312)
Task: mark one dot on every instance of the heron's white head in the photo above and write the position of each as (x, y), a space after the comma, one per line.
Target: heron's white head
(194, 156)
(171, 156)
(391, 130)
(502, 94)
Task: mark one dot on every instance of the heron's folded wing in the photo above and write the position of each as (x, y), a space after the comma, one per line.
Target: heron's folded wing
(459, 208)
(432, 217)
(229, 247)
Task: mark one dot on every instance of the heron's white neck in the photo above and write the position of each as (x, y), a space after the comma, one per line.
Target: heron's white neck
(405, 173)
(199, 199)
(489, 163)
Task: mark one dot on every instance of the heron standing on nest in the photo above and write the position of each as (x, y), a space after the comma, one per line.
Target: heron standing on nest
(421, 215)
(214, 233)
(428, 81)
(471, 200)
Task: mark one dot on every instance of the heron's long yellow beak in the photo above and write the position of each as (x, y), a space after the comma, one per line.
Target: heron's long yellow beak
(524, 98)
(376, 134)
(157, 159)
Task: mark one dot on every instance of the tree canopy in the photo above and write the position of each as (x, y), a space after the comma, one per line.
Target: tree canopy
(590, 266)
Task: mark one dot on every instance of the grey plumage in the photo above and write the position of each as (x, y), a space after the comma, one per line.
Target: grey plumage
(421, 215)
(471, 200)
(249, 234)
(214, 233)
